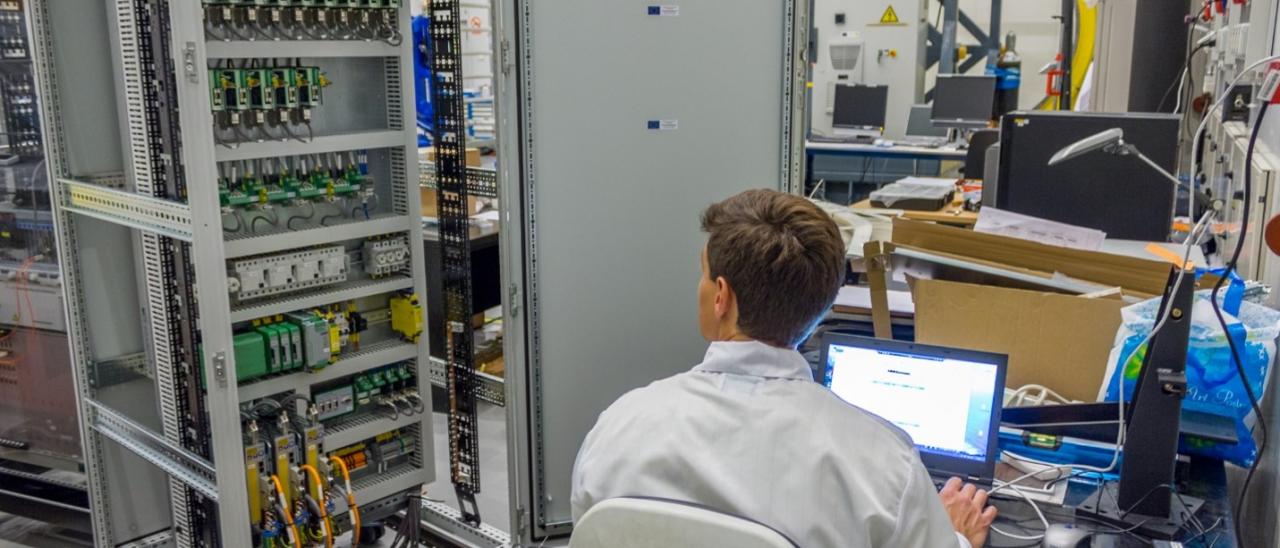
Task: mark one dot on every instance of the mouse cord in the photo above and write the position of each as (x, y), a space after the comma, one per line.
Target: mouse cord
(1002, 485)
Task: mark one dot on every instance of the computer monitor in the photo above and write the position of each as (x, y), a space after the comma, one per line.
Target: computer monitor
(920, 123)
(962, 101)
(948, 400)
(1119, 195)
(859, 106)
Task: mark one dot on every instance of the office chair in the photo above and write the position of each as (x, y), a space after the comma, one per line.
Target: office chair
(637, 522)
(976, 158)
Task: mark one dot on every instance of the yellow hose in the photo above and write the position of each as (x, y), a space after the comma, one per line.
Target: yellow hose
(351, 500)
(288, 512)
(324, 513)
(1086, 40)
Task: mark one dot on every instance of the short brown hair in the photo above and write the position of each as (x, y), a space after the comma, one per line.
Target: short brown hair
(783, 257)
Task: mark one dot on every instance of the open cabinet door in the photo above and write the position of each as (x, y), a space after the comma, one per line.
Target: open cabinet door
(619, 123)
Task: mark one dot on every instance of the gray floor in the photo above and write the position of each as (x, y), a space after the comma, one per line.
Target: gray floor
(493, 497)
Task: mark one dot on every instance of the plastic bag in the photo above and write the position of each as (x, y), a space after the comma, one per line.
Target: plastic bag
(1213, 383)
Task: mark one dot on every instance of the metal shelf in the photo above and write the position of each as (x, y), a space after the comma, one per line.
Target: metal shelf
(372, 355)
(228, 49)
(492, 389)
(348, 430)
(133, 210)
(301, 301)
(361, 140)
(246, 245)
(393, 481)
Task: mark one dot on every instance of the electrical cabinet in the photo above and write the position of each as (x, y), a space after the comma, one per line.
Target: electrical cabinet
(600, 235)
(873, 43)
(37, 428)
(236, 183)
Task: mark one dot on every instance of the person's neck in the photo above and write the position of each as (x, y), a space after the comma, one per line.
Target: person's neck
(735, 335)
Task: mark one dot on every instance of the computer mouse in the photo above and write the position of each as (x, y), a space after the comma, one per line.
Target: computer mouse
(1061, 535)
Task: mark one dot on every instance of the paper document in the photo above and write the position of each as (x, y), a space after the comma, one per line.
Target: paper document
(928, 181)
(1035, 229)
(854, 296)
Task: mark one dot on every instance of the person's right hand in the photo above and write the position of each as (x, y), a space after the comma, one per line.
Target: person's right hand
(967, 507)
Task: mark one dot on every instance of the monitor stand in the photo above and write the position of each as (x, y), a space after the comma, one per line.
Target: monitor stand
(1144, 500)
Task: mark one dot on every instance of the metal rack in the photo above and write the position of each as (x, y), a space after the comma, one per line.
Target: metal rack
(169, 252)
(451, 177)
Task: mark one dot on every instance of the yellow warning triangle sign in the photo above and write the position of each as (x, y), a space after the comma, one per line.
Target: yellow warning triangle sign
(890, 17)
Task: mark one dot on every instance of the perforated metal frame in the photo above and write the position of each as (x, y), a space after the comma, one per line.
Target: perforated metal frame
(200, 224)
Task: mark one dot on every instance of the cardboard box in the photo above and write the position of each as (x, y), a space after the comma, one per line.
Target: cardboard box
(1138, 277)
(428, 195)
(430, 207)
(473, 156)
(1059, 341)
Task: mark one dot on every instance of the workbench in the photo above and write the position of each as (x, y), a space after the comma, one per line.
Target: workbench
(951, 214)
(1205, 479)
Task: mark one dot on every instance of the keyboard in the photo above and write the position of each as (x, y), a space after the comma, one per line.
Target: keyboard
(922, 143)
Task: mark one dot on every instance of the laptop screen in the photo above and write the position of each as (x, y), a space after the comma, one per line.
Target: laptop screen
(945, 403)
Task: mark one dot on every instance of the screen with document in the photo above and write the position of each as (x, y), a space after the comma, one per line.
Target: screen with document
(944, 404)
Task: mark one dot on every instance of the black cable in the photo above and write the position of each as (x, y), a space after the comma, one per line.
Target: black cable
(1186, 68)
(289, 223)
(1217, 311)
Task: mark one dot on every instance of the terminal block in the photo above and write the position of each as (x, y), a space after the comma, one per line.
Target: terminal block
(250, 102)
(379, 454)
(390, 388)
(295, 193)
(386, 256)
(302, 19)
(287, 272)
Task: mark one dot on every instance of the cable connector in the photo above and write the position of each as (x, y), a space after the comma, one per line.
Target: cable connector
(1270, 90)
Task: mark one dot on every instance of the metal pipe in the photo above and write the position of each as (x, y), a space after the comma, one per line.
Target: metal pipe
(947, 53)
(1068, 44)
(993, 32)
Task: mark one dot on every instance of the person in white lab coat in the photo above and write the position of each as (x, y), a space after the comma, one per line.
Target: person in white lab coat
(748, 431)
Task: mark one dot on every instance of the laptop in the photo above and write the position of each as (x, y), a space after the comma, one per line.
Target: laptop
(948, 400)
(920, 129)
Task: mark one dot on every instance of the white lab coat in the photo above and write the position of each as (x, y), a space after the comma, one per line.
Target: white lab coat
(750, 433)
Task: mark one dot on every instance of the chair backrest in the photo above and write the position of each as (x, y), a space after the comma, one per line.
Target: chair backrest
(637, 522)
(976, 158)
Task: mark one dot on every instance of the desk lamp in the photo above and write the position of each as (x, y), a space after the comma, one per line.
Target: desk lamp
(1152, 420)
(1112, 141)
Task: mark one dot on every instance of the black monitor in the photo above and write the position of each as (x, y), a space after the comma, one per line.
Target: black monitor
(1119, 195)
(860, 106)
(963, 101)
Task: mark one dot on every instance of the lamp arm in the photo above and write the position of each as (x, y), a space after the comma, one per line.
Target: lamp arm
(1200, 197)
(1133, 150)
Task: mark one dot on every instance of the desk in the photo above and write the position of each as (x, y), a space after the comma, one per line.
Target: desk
(896, 151)
(951, 214)
(486, 281)
(1201, 478)
(836, 169)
